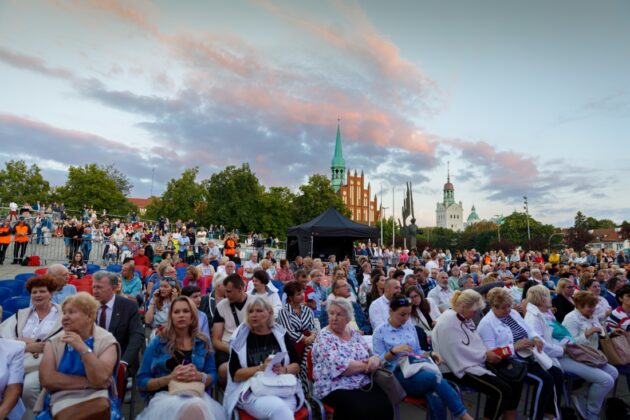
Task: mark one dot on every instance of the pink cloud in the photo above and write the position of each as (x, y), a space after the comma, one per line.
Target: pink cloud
(31, 63)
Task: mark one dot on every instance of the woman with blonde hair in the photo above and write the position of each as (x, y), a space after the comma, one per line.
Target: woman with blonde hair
(178, 367)
(465, 356)
(79, 363)
(251, 349)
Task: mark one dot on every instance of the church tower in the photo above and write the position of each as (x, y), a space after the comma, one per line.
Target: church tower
(449, 189)
(338, 164)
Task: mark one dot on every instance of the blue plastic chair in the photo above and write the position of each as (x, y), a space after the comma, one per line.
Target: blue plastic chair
(181, 275)
(14, 304)
(16, 286)
(6, 314)
(25, 276)
(5, 293)
(114, 268)
(93, 268)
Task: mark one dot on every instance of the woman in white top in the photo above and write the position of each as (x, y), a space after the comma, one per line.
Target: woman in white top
(583, 326)
(600, 380)
(465, 356)
(504, 327)
(424, 312)
(33, 326)
(260, 280)
(11, 378)
(602, 309)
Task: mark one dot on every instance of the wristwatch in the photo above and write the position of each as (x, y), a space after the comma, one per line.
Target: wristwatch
(83, 353)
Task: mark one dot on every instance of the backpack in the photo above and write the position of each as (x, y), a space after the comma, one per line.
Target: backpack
(34, 261)
(616, 409)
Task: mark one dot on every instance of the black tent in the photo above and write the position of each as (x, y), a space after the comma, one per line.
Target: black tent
(329, 233)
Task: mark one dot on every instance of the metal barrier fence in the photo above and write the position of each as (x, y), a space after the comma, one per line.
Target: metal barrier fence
(52, 249)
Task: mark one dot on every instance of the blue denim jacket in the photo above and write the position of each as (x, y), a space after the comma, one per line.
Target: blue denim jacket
(155, 358)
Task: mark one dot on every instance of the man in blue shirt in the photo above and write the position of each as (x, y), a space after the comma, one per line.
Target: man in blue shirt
(61, 276)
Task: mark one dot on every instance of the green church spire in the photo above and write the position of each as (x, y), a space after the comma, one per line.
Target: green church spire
(338, 164)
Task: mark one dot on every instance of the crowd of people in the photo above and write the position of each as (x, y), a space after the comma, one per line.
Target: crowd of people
(206, 336)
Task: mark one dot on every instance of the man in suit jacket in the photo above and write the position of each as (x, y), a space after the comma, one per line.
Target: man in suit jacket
(119, 316)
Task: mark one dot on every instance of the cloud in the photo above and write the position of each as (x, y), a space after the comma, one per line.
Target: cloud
(507, 176)
(34, 64)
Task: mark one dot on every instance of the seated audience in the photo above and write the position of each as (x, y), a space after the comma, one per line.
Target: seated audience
(194, 294)
(342, 365)
(599, 380)
(34, 326)
(262, 287)
(254, 341)
(11, 378)
(379, 309)
(504, 327)
(397, 339)
(563, 302)
(341, 289)
(157, 312)
(77, 266)
(464, 356)
(424, 312)
(180, 357)
(61, 276)
(78, 364)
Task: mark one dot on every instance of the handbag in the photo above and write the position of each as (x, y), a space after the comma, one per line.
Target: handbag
(616, 348)
(412, 364)
(282, 386)
(386, 380)
(585, 354)
(93, 409)
(192, 389)
(509, 369)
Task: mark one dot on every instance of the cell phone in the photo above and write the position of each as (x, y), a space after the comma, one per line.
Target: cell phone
(186, 361)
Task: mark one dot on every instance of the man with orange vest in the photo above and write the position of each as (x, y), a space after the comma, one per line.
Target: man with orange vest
(229, 247)
(21, 232)
(5, 239)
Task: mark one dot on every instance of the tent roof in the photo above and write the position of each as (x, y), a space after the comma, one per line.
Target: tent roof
(332, 223)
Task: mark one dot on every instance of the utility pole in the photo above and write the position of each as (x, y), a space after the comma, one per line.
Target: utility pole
(529, 235)
(393, 219)
(499, 220)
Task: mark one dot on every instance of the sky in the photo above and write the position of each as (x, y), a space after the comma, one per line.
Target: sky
(522, 98)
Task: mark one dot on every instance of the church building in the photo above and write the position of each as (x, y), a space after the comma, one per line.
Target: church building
(450, 214)
(351, 187)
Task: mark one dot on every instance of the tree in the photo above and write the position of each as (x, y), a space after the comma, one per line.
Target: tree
(387, 231)
(92, 186)
(234, 198)
(21, 184)
(438, 238)
(314, 198)
(480, 235)
(183, 198)
(514, 229)
(122, 182)
(625, 230)
(276, 215)
(578, 236)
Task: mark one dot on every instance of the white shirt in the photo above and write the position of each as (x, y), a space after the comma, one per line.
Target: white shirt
(441, 296)
(108, 313)
(12, 371)
(432, 264)
(379, 312)
(206, 270)
(577, 324)
(38, 330)
(13, 206)
(214, 253)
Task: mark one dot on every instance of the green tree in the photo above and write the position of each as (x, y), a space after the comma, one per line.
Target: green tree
(625, 230)
(183, 198)
(122, 182)
(514, 229)
(387, 231)
(593, 223)
(314, 198)
(578, 236)
(234, 198)
(276, 215)
(438, 237)
(91, 185)
(481, 235)
(22, 184)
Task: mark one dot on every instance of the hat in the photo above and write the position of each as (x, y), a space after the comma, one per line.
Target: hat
(22, 218)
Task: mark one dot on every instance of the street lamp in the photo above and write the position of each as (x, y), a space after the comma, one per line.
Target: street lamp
(529, 236)
(499, 220)
(382, 219)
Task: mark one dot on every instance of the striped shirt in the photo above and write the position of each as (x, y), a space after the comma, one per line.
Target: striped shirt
(518, 332)
(619, 319)
(296, 324)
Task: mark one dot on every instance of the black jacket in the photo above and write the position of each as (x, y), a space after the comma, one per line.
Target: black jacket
(126, 327)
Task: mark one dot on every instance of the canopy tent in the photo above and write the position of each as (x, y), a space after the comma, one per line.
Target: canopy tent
(329, 233)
